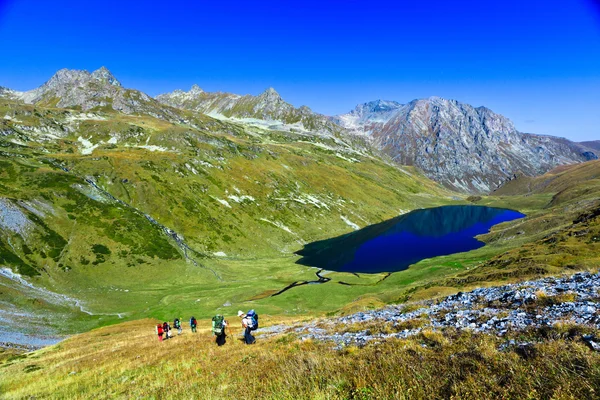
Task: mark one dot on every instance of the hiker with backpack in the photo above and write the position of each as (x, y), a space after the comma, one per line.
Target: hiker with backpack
(249, 323)
(219, 326)
(177, 325)
(193, 324)
(159, 332)
(166, 330)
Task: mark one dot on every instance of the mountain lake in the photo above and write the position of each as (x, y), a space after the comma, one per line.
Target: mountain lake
(395, 244)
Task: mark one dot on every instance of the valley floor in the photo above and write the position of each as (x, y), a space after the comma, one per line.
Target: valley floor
(556, 359)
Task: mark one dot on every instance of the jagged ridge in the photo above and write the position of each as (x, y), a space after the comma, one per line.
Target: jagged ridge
(268, 106)
(466, 148)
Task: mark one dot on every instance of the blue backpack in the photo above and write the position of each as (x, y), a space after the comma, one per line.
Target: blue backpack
(253, 319)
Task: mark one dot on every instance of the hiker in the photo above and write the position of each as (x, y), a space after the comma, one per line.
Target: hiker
(219, 327)
(166, 330)
(249, 323)
(159, 332)
(193, 324)
(177, 325)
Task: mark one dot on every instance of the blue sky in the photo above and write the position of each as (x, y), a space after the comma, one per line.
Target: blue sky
(537, 62)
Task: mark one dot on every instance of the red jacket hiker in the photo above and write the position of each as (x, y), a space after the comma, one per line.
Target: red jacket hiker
(160, 332)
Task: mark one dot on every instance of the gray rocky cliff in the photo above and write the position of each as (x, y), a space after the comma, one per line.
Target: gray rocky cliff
(465, 148)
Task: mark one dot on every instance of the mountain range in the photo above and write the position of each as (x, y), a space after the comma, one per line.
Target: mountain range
(115, 204)
(465, 148)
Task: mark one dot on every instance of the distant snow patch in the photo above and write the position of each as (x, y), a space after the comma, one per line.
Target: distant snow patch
(84, 117)
(37, 207)
(224, 202)
(352, 160)
(189, 167)
(88, 147)
(91, 192)
(13, 276)
(315, 201)
(205, 164)
(279, 225)
(350, 223)
(240, 199)
(219, 254)
(149, 147)
(304, 198)
(9, 118)
(19, 142)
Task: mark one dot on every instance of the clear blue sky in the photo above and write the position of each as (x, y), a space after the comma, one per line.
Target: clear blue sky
(537, 62)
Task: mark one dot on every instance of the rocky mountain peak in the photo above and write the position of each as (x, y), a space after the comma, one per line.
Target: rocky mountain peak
(103, 75)
(64, 77)
(305, 110)
(466, 148)
(270, 95)
(195, 90)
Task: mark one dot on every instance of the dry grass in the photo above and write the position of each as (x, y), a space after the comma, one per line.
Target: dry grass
(127, 361)
(543, 300)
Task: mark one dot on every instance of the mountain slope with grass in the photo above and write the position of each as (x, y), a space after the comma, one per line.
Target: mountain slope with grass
(563, 178)
(107, 215)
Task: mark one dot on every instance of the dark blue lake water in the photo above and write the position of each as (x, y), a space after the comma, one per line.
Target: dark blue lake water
(395, 244)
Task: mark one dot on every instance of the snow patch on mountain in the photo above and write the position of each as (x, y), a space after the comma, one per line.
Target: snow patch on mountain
(278, 225)
(87, 146)
(350, 223)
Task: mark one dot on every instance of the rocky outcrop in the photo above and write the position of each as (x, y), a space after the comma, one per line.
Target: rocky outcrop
(494, 310)
(465, 148)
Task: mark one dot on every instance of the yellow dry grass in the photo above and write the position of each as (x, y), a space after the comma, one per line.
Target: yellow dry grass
(127, 361)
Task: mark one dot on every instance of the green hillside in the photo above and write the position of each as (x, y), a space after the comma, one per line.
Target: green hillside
(108, 216)
(133, 215)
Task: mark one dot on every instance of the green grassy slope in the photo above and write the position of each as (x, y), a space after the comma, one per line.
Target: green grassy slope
(559, 179)
(132, 216)
(137, 216)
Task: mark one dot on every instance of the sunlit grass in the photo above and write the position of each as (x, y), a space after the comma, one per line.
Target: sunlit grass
(127, 361)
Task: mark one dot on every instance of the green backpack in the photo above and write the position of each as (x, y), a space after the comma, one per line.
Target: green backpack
(217, 325)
